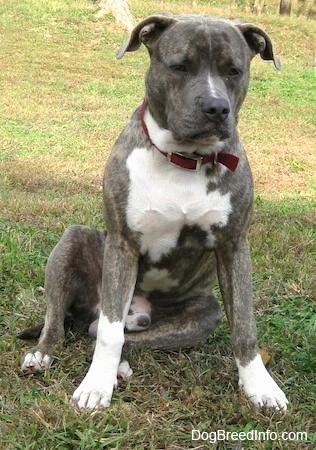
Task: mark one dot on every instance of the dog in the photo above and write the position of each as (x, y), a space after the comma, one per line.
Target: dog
(178, 200)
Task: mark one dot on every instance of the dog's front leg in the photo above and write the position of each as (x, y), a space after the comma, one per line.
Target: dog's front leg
(118, 282)
(234, 270)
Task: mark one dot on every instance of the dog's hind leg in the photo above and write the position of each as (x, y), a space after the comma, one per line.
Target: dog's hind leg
(175, 329)
(72, 287)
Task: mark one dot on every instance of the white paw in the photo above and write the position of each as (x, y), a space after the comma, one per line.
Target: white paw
(35, 361)
(95, 391)
(124, 371)
(259, 386)
(139, 314)
(138, 321)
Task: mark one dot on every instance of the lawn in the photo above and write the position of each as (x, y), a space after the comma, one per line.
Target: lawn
(63, 100)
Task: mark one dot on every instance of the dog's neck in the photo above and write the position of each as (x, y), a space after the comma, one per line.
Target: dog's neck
(186, 156)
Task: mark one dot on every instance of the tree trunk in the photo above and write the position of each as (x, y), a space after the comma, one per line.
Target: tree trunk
(119, 9)
(285, 7)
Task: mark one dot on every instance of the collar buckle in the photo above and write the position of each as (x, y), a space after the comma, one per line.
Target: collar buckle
(186, 162)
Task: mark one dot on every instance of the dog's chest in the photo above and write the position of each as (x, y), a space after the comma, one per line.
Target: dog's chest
(164, 201)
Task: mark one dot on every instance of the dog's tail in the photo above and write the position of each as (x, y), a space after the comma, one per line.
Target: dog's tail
(31, 333)
(35, 332)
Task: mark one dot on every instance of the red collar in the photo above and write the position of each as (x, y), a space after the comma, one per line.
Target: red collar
(192, 161)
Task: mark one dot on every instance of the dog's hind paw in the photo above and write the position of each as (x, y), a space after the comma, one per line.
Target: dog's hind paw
(34, 361)
(259, 386)
(139, 314)
(124, 371)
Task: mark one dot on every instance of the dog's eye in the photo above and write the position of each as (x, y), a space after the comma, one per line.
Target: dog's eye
(233, 72)
(179, 68)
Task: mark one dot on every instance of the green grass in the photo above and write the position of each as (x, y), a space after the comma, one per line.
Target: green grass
(63, 100)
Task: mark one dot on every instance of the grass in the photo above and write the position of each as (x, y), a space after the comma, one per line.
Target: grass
(64, 99)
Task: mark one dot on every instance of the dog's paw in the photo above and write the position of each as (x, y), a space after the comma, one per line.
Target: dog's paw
(34, 361)
(260, 387)
(92, 395)
(124, 371)
(138, 322)
(95, 391)
(139, 314)
(91, 398)
(268, 395)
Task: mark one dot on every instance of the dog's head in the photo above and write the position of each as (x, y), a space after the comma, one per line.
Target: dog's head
(199, 72)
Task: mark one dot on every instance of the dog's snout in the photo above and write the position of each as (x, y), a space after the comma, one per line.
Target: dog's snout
(217, 109)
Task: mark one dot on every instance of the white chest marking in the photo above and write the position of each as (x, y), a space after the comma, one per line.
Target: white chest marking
(163, 198)
(158, 279)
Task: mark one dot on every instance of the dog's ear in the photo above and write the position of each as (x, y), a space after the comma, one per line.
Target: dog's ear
(146, 32)
(259, 42)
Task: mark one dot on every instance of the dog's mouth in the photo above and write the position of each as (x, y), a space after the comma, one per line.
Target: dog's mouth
(210, 135)
(186, 136)
(205, 138)
(199, 128)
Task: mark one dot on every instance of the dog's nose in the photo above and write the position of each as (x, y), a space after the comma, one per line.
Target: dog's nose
(216, 109)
